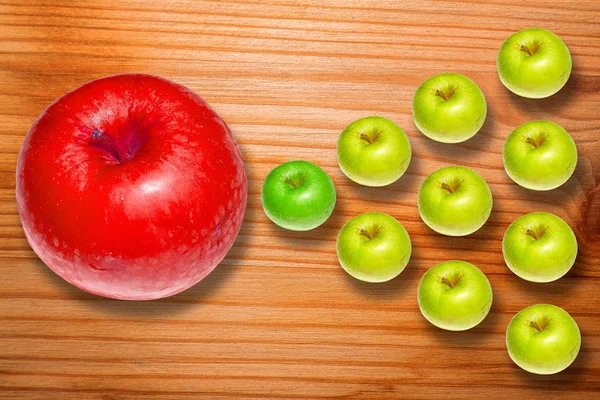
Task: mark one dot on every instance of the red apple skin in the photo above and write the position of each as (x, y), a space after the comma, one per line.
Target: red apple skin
(131, 187)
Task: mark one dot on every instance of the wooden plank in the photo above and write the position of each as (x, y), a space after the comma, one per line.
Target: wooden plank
(279, 318)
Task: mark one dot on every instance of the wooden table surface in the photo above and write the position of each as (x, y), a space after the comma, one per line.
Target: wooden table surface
(279, 318)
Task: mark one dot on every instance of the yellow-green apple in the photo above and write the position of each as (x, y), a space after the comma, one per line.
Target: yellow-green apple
(534, 63)
(543, 339)
(373, 247)
(539, 247)
(373, 151)
(455, 201)
(449, 108)
(455, 295)
(539, 155)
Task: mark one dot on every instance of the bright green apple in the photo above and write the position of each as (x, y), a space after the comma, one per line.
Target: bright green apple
(449, 108)
(539, 247)
(455, 295)
(298, 195)
(534, 63)
(539, 155)
(455, 201)
(543, 339)
(373, 247)
(373, 151)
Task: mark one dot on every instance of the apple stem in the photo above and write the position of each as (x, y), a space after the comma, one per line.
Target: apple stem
(372, 138)
(101, 140)
(452, 187)
(535, 234)
(526, 50)
(450, 283)
(126, 141)
(441, 94)
(539, 327)
(295, 183)
(365, 138)
(535, 142)
(532, 48)
(369, 234)
(535, 325)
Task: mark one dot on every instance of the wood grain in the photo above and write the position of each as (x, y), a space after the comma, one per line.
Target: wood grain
(279, 318)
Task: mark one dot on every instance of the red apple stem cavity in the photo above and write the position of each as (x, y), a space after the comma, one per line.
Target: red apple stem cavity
(123, 146)
(101, 140)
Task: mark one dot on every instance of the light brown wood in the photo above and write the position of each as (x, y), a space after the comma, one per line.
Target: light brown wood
(279, 318)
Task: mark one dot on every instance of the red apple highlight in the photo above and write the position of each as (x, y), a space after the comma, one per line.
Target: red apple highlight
(131, 187)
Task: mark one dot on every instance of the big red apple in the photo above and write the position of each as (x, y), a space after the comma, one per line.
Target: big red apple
(131, 187)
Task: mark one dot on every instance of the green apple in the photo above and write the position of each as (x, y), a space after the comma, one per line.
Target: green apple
(449, 108)
(455, 295)
(298, 195)
(539, 247)
(373, 151)
(373, 247)
(534, 63)
(539, 155)
(543, 339)
(455, 201)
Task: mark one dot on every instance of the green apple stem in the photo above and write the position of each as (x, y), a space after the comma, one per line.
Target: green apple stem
(447, 187)
(439, 93)
(531, 50)
(294, 182)
(370, 138)
(526, 49)
(365, 138)
(539, 327)
(369, 234)
(450, 187)
(451, 282)
(535, 141)
(537, 233)
(446, 95)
